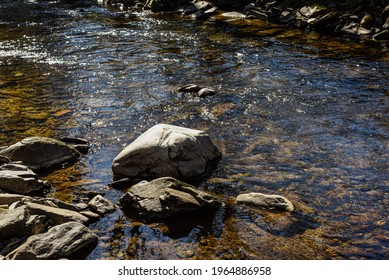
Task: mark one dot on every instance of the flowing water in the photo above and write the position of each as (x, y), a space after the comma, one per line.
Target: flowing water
(301, 115)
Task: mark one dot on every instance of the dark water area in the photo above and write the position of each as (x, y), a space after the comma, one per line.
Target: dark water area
(301, 115)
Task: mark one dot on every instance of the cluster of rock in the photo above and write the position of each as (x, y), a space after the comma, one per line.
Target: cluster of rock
(167, 154)
(47, 228)
(33, 227)
(361, 18)
(197, 90)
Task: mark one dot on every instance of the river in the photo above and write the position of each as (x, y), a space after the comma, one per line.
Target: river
(300, 115)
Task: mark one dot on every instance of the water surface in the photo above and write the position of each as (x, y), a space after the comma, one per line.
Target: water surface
(301, 115)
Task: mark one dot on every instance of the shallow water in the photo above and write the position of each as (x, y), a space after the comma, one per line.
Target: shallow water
(301, 115)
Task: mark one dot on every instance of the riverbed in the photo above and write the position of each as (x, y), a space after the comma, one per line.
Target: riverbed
(300, 115)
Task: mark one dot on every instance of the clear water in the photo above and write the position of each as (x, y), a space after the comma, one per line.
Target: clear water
(301, 115)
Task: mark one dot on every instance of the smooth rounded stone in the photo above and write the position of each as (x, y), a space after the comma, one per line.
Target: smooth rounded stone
(41, 153)
(72, 140)
(59, 216)
(189, 88)
(20, 179)
(232, 15)
(101, 205)
(273, 202)
(13, 223)
(167, 150)
(164, 198)
(59, 242)
(206, 92)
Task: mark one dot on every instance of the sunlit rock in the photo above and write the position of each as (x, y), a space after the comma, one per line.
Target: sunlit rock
(13, 223)
(164, 198)
(58, 215)
(167, 150)
(41, 153)
(59, 242)
(17, 178)
(101, 205)
(273, 202)
(8, 199)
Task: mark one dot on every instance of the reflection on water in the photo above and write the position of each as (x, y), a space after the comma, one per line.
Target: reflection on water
(300, 115)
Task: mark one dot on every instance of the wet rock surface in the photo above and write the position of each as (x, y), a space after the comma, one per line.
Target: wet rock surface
(167, 150)
(59, 242)
(101, 205)
(20, 179)
(164, 198)
(24, 216)
(41, 153)
(367, 18)
(13, 223)
(266, 201)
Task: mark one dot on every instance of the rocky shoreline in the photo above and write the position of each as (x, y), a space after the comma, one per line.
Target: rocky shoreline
(365, 20)
(35, 226)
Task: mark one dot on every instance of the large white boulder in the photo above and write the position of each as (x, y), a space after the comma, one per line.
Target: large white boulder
(167, 151)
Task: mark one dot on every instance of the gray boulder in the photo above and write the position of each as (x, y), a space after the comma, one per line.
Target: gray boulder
(164, 198)
(13, 223)
(59, 242)
(41, 153)
(20, 179)
(273, 202)
(167, 150)
(101, 205)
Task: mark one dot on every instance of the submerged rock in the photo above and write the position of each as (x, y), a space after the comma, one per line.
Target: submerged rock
(167, 150)
(59, 242)
(20, 179)
(274, 202)
(164, 198)
(41, 153)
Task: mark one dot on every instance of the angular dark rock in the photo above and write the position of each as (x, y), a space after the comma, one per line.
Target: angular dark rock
(166, 197)
(18, 178)
(101, 205)
(13, 223)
